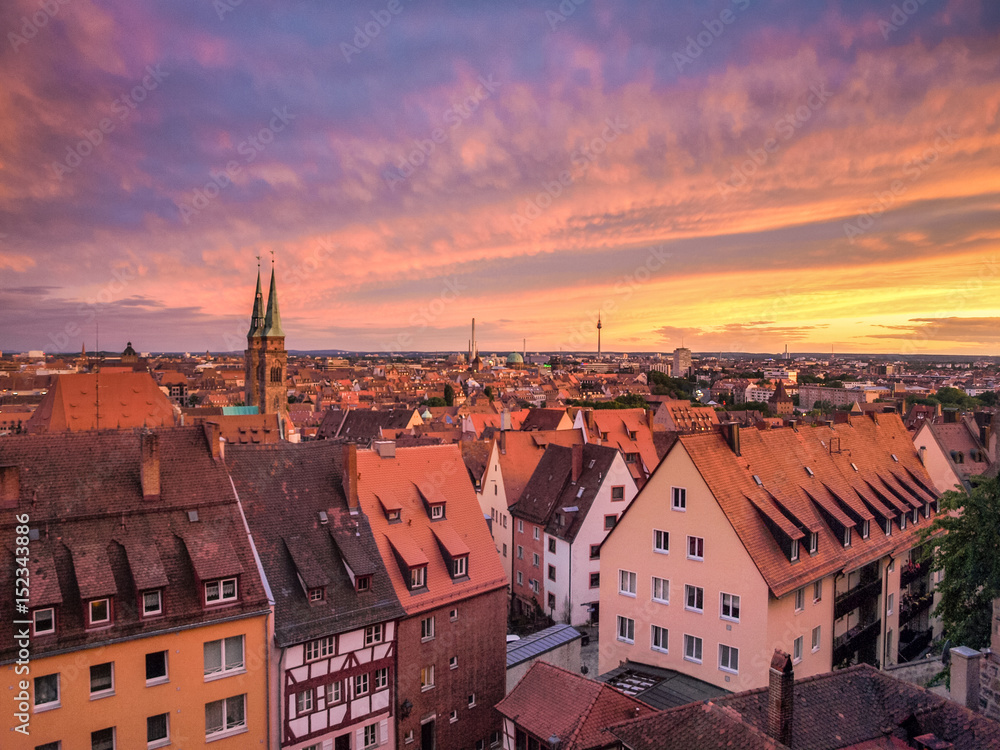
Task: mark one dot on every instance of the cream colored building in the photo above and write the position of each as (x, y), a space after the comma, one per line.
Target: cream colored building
(747, 541)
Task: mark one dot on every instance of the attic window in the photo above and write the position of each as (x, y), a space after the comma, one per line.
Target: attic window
(757, 481)
(317, 594)
(579, 492)
(323, 517)
(362, 583)
(847, 536)
(394, 516)
(793, 554)
(810, 472)
(894, 458)
(591, 464)
(224, 590)
(813, 542)
(99, 612)
(460, 567)
(437, 511)
(193, 516)
(854, 466)
(418, 577)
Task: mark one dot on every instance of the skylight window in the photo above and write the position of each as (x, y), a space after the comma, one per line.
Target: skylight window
(854, 466)
(810, 472)
(757, 480)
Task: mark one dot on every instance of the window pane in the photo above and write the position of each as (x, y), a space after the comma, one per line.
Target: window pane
(156, 665)
(103, 739)
(213, 717)
(100, 677)
(46, 689)
(234, 652)
(156, 728)
(234, 712)
(213, 657)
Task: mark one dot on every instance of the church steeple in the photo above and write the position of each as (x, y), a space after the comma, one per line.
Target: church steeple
(272, 322)
(257, 316)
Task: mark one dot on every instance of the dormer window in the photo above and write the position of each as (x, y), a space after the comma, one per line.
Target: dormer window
(813, 542)
(437, 511)
(888, 527)
(317, 594)
(460, 566)
(418, 577)
(902, 521)
(394, 516)
(152, 603)
(43, 621)
(927, 510)
(223, 590)
(99, 612)
(362, 583)
(865, 529)
(847, 536)
(794, 552)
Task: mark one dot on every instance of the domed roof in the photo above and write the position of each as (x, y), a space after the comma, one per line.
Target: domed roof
(515, 359)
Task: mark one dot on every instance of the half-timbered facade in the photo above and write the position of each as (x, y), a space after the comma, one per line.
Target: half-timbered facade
(335, 610)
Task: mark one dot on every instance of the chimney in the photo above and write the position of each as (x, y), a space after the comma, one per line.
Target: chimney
(149, 467)
(841, 417)
(780, 697)
(10, 486)
(351, 476)
(577, 461)
(922, 454)
(965, 676)
(649, 418)
(213, 434)
(588, 415)
(503, 442)
(731, 431)
(950, 416)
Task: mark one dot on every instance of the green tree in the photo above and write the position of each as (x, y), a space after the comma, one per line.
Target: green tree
(434, 401)
(488, 392)
(449, 395)
(968, 552)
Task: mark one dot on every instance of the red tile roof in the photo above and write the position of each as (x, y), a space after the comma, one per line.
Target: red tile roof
(128, 399)
(441, 475)
(550, 700)
(835, 491)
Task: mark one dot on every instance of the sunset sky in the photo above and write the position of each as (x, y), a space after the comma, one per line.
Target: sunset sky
(739, 175)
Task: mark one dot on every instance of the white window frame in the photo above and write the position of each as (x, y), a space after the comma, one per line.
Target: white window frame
(305, 701)
(220, 596)
(726, 664)
(797, 649)
(418, 577)
(91, 622)
(866, 528)
(627, 583)
(733, 604)
(460, 566)
(437, 512)
(362, 684)
(661, 542)
(816, 638)
(659, 639)
(34, 620)
(813, 542)
(48, 705)
(698, 541)
(818, 591)
(800, 599)
(227, 730)
(146, 612)
(381, 680)
(427, 629)
(333, 693)
(698, 591)
(626, 629)
(520, 526)
(427, 678)
(371, 735)
(793, 554)
(664, 585)
(225, 670)
(318, 649)
(678, 499)
(374, 634)
(162, 741)
(695, 653)
(165, 677)
(536, 533)
(105, 692)
(890, 602)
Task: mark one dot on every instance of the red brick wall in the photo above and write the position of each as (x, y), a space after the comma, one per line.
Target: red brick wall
(528, 570)
(478, 639)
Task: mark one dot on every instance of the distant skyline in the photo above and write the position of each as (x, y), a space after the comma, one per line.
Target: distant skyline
(741, 175)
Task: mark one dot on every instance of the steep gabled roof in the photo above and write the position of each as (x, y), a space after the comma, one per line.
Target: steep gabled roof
(820, 479)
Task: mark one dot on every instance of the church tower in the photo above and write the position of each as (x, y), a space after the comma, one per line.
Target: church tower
(266, 358)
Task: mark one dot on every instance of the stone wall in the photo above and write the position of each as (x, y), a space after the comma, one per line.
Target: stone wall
(917, 672)
(989, 685)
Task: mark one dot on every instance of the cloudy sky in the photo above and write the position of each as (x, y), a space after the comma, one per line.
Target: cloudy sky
(739, 175)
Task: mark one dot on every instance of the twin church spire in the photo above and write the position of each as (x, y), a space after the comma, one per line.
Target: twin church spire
(266, 361)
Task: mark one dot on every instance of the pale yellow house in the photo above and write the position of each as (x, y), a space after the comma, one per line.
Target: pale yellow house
(747, 541)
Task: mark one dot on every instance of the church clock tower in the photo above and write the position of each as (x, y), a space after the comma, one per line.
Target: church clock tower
(266, 358)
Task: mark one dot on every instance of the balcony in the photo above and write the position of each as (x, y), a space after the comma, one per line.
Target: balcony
(912, 606)
(851, 600)
(855, 639)
(913, 643)
(912, 571)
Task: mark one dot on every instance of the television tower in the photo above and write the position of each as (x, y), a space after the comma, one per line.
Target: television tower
(599, 327)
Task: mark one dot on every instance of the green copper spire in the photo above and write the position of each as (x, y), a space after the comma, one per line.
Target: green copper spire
(257, 317)
(272, 323)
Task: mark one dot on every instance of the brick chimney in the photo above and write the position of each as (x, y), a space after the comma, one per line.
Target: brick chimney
(149, 466)
(780, 698)
(213, 434)
(351, 476)
(731, 432)
(577, 461)
(10, 486)
(588, 416)
(649, 418)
